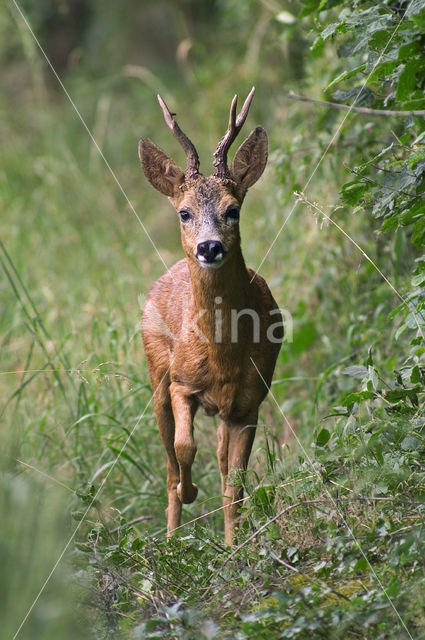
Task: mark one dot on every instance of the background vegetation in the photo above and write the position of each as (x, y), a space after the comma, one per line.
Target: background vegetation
(332, 540)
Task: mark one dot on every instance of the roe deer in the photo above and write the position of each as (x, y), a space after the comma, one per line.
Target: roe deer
(209, 322)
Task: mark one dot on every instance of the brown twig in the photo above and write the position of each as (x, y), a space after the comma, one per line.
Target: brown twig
(364, 110)
(301, 504)
(382, 186)
(286, 565)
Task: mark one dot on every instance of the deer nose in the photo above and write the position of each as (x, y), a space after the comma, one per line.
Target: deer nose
(210, 251)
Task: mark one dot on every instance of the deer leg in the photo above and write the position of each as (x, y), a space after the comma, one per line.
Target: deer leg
(184, 409)
(238, 440)
(165, 420)
(222, 453)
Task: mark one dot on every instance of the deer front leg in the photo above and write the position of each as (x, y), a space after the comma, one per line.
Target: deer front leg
(184, 409)
(234, 448)
(165, 420)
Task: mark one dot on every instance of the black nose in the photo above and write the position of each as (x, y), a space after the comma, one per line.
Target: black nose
(209, 251)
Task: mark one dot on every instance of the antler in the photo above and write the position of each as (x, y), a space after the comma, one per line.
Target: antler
(191, 153)
(234, 126)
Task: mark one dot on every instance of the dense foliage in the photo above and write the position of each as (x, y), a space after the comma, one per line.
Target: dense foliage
(332, 537)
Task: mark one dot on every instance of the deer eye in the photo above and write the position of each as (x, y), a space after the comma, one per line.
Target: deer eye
(184, 215)
(232, 213)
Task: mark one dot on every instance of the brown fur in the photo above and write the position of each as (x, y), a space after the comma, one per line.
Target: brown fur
(187, 366)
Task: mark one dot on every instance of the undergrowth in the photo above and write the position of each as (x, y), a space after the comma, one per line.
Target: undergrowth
(331, 542)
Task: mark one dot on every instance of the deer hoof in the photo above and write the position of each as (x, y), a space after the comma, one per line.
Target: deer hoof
(188, 495)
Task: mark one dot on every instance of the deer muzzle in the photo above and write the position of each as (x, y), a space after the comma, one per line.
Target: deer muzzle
(210, 253)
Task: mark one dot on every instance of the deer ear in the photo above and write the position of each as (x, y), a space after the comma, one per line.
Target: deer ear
(159, 169)
(250, 159)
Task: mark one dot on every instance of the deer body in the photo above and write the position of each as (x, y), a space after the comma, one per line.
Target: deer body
(210, 328)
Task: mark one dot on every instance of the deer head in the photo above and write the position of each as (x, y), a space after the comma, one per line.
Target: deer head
(208, 206)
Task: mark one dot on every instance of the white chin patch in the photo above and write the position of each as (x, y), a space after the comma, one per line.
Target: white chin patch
(211, 265)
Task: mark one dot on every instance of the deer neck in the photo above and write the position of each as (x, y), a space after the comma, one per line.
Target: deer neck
(216, 292)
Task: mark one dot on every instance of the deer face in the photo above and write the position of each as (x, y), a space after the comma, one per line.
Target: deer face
(208, 207)
(209, 222)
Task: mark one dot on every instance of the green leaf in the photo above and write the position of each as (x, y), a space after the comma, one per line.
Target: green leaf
(356, 96)
(378, 454)
(369, 360)
(406, 51)
(361, 564)
(330, 30)
(410, 443)
(345, 75)
(263, 496)
(394, 395)
(292, 553)
(352, 192)
(373, 377)
(401, 307)
(309, 6)
(390, 224)
(380, 39)
(382, 71)
(355, 371)
(407, 81)
(416, 281)
(323, 438)
(381, 488)
(360, 396)
(273, 532)
(415, 376)
(415, 7)
(401, 329)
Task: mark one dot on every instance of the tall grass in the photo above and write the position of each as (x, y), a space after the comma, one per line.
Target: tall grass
(75, 265)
